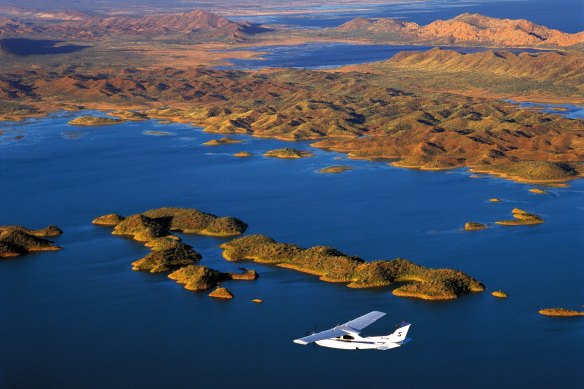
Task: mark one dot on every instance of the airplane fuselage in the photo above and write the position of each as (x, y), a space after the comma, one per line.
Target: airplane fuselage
(355, 342)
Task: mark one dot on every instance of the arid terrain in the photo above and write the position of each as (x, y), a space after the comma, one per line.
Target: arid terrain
(437, 109)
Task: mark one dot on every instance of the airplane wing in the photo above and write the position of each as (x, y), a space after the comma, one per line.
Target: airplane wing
(351, 327)
(332, 333)
(363, 321)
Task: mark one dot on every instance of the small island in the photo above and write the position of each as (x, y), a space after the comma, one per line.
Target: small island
(560, 312)
(221, 293)
(522, 218)
(18, 240)
(288, 153)
(335, 169)
(538, 191)
(499, 294)
(222, 141)
(94, 121)
(474, 226)
(243, 154)
(332, 265)
(494, 200)
(198, 278)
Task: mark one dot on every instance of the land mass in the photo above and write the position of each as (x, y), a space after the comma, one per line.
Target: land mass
(465, 29)
(332, 265)
(18, 240)
(560, 312)
(154, 227)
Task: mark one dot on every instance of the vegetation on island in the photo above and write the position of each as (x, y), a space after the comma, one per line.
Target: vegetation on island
(18, 240)
(499, 294)
(335, 169)
(560, 312)
(288, 153)
(197, 278)
(167, 252)
(222, 141)
(474, 226)
(94, 121)
(332, 265)
(154, 228)
(522, 218)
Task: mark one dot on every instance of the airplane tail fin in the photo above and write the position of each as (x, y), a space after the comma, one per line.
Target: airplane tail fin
(399, 335)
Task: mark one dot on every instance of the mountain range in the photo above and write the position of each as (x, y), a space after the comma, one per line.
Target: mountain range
(465, 29)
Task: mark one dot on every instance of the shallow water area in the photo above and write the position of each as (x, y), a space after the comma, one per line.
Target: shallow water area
(82, 318)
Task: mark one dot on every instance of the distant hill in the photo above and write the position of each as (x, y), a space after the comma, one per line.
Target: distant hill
(80, 25)
(465, 29)
(10, 26)
(567, 68)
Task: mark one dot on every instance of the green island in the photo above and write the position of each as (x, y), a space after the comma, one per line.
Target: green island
(333, 266)
(221, 293)
(198, 278)
(94, 121)
(474, 226)
(522, 218)
(18, 240)
(222, 141)
(154, 228)
(288, 153)
(560, 312)
(499, 294)
(335, 169)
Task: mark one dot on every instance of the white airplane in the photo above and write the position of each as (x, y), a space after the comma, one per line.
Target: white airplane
(346, 336)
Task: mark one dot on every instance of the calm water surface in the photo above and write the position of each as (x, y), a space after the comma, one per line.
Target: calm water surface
(82, 318)
(564, 15)
(333, 55)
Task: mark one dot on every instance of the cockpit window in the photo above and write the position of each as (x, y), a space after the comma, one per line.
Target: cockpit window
(347, 337)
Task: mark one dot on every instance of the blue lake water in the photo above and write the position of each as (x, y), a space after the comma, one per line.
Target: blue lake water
(564, 15)
(332, 55)
(82, 318)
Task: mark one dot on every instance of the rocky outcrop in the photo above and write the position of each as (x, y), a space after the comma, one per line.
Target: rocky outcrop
(474, 226)
(18, 240)
(560, 312)
(222, 141)
(221, 293)
(522, 218)
(94, 121)
(499, 294)
(335, 169)
(288, 153)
